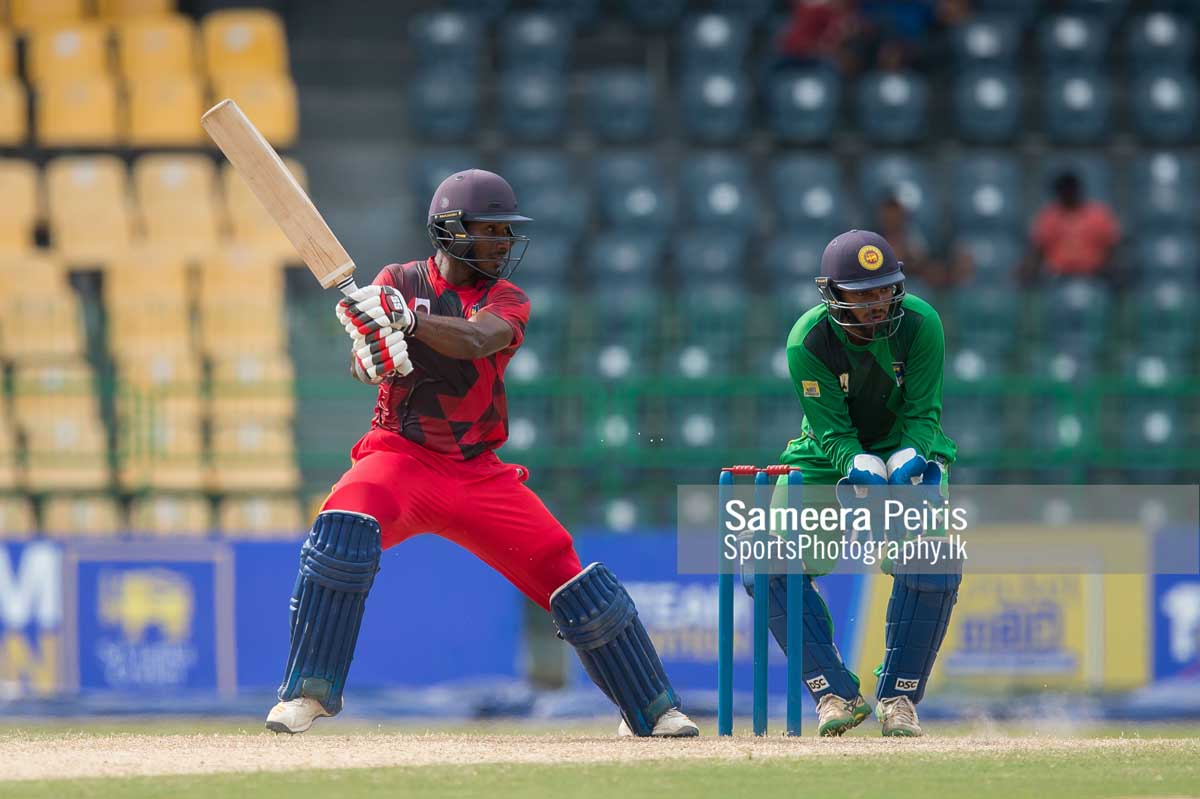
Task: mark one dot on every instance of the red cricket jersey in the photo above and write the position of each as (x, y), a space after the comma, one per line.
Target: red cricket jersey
(452, 406)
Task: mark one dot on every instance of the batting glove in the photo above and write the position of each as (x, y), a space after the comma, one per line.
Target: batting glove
(372, 308)
(379, 357)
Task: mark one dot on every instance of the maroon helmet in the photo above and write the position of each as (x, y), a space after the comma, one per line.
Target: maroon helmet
(476, 195)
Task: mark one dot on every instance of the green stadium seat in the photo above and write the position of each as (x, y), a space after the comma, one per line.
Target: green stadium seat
(1159, 39)
(809, 194)
(549, 259)
(1075, 106)
(994, 257)
(991, 39)
(654, 14)
(906, 178)
(987, 193)
(711, 254)
(715, 105)
(892, 107)
(620, 105)
(438, 115)
(1165, 106)
(714, 39)
(1171, 253)
(803, 104)
(446, 37)
(793, 258)
(429, 168)
(1166, 183)
(987, 105)
(1071, 40)
(630, 257)
(719, 190)
(535, 104)
(535, 39)
(632, 191)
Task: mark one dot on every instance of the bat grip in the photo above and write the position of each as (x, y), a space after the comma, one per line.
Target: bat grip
(348, 286)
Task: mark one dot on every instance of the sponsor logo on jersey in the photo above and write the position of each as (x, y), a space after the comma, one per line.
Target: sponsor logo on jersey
(818, 683)
(811, 388)
(898, 371)
(907, 685)
(421, 304)
(870, 257)
(844, 382)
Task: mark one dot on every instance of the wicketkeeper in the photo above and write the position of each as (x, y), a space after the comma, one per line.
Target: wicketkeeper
(435, 336)
(867, 366)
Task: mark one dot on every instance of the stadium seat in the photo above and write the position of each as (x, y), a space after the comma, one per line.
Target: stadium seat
(632, 190)
(979, 428)
(530, 169)
(1164, 319)
(1076, 106)
(991, 39)
(720, 191)
(1160, 39)
(581, 13)
(715, 105)
(985, 320)
(793, 257)
(270, 100)
(78, 112)
(908, 180)
(710, 253)
(1165, 106)
(253, 455)
(246, 41)
(260, 517)
(654, 14)
(9, 463)
(29, 312)
(703, 422)
(892, 106)
(177, 198)
(987, 105)
(1075, 314)
(430, 167)
(550, 259)
(1168, 254)
(250, 223)
(170, 515)
(19, 188)
(438, 115)
(1153, 424)
(76, 51)
(716, 318)
(8, 52)
(548, 190)
(231, 274)
(258, 385)
(33, 14)
(1166, 183)
(620, 105)
(147, 275)
(156, 47)
(14, 112)
(626, 256)
(224, 331)
(535, 104)
(117, 10)
(808, 193)
(714, 39)
(1094, 170)
(165, 382)
(535, 39)
(16, 518)
(66, 454)
(444, 38)
(90, 516)
(1063, 363)
(1071, 40)
(803, 104)
(987, 193)
(165, 111)
(995, 257)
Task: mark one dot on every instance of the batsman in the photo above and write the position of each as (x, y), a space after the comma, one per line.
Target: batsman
(436, 335)
(867, 367)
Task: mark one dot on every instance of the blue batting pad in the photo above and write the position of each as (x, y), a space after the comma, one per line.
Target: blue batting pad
(338, 563)
(594, 614)
(918, 614)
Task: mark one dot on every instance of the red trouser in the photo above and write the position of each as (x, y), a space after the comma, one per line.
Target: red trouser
(481, 504)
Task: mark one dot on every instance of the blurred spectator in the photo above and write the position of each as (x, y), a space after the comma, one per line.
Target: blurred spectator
(911, 247)
(819, 32)
(896, 34)
(1072, 236)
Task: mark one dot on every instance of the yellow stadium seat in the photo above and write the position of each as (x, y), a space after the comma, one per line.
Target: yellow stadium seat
(78, 112)
(87, 202)
(72, 51)
(26, 14)
(232, 329)
(64, 389)
(27, 316)
(149, 47)
(137, 332)
(253, 455)
(159, 383)
(270, 100)
(125, 9)
(260, 517)
(252, 384)
(66, 453)
(16, 518)
(19, 188)
(147, 276)
(14, 112)
(244, 41)
(9, 476)
(240, 273)
(171, 515)
(8, 49)
(160, 448)
(249, 221)
(68, 517)
(178, 202)
(165, 111)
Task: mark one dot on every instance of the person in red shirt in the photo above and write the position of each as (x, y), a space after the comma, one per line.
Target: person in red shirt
(1072, 236)
(436, 335)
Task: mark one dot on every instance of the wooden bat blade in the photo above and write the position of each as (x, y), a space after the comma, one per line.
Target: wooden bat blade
(279, 192)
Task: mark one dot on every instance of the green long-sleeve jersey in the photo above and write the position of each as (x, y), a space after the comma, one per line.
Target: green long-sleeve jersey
(876, 397)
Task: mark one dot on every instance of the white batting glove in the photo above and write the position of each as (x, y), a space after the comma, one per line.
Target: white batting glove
(379, 357)
(372, 308)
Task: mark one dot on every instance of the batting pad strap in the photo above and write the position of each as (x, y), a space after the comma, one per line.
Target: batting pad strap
(916, 626)
(338, 563)
(594, 613)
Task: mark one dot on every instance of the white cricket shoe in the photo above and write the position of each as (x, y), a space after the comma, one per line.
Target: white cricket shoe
(672, 724)
(295, 715)
(899, 717)
(836, 714)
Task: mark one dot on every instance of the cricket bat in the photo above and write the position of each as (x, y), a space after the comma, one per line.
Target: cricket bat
(280, 193)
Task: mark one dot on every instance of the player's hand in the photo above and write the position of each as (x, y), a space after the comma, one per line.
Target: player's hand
(380, 356)
(906, 467)
(373, 308)
(865, 485)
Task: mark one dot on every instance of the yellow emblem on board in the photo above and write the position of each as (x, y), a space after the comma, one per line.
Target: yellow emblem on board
(870, 257)
(811, 388)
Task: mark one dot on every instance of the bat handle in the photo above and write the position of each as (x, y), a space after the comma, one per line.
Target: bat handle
(348, 286)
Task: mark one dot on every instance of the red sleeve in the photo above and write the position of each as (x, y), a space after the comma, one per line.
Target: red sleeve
(390, 276)
(510, 304)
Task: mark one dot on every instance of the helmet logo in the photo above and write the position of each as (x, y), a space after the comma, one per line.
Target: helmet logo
(870, 257)
(445, 203)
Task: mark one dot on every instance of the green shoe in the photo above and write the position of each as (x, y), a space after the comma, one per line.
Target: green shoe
(835, 714)
(899, 717)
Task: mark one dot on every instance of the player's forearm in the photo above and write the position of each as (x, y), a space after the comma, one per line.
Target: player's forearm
(460, 338)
